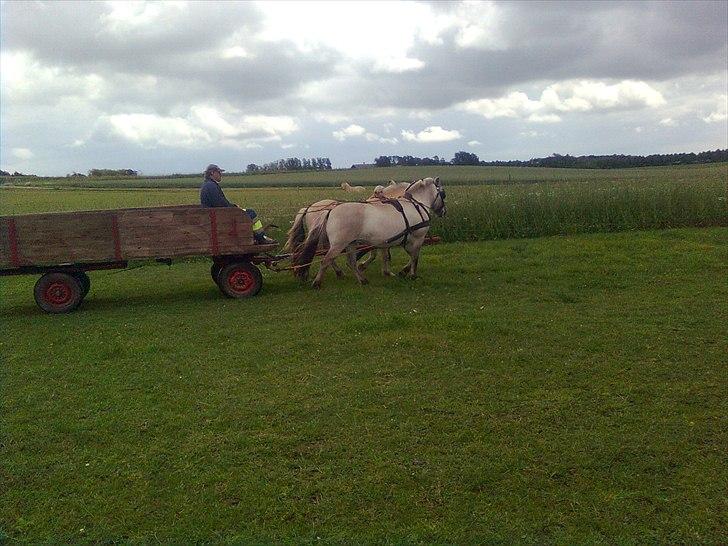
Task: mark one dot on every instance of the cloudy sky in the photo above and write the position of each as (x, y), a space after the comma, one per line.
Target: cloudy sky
(166, 87)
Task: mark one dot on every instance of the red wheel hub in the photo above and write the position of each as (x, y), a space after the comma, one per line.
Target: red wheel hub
(58, 293)
(241, 281)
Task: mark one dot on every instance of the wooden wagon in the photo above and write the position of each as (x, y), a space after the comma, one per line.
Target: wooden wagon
(63, 246)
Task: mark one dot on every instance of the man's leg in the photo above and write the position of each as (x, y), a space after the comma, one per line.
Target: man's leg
(258, 233)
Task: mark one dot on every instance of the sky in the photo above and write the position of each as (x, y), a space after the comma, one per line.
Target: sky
(168, 87)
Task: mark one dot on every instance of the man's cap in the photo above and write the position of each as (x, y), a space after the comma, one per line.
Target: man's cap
(212, 167)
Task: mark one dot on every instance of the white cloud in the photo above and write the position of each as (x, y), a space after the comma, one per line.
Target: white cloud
(357, 29)
(474, 143)
(152, 130)
(478, 26)
(350, 131)
(398, 65)
(22, 153)
(372, 137)
(204, 126)
(721, 111)
(234, 52)
(531, 134)
(24, 78)
(432, 134)
(544, 118)
(668, 122)
(638, 129)
(128, 16)
(573, 96)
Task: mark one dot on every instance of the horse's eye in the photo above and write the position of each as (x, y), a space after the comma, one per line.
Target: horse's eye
(444, 194)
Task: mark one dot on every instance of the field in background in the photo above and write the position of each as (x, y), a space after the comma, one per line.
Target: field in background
(682, 198)
(566, 390)
(552, 390)
(450, 175)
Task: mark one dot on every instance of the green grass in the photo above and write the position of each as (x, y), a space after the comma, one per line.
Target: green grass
(452, 175)
(475, 212)
(557, 390)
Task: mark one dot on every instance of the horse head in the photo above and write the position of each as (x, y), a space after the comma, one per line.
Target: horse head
(429, 192)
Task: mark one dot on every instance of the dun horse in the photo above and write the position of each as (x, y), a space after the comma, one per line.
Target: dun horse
(383, 224)
(308, 218)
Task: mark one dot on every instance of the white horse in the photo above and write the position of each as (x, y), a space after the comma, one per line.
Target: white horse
(404, 221)
(309, 217)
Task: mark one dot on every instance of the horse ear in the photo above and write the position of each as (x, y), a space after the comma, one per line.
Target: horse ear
(437, 180)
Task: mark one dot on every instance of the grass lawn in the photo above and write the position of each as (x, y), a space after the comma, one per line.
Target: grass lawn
(554, 390)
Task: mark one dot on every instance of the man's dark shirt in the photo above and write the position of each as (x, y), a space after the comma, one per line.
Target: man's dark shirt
(211, 195)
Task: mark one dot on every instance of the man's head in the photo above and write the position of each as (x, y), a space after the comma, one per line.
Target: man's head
(214, 172)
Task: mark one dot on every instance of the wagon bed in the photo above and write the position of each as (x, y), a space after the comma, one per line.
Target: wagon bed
(63, 246)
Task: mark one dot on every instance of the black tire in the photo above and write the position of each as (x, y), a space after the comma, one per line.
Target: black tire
(58, 292)
(215, 271)
(85, 281)
(240, 280)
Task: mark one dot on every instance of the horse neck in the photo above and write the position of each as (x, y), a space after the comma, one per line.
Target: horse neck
(421, 196)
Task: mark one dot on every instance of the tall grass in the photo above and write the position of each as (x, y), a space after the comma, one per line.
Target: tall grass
(559, 208)
(479, 212)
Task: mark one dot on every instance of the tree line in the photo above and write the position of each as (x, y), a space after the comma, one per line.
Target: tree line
(615, 161)
(291, 164)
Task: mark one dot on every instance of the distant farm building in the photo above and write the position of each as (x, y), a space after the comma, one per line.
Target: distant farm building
(362, 165)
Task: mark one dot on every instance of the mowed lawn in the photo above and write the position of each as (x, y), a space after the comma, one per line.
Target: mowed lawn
(553, 390)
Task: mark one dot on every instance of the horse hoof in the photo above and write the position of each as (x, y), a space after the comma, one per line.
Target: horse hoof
(316, 285)
(363, 282)
(339, 274)
(403, 274)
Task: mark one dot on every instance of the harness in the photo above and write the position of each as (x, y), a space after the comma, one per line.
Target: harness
(419, 207)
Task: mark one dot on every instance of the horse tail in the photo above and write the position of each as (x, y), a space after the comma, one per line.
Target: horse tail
(297, 233)
(304, 253)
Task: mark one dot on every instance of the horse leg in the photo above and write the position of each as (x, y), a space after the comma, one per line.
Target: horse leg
(351, 255)
(325, 263)
(372, 256)
(386, 260)
(337, 269)
(410, 270)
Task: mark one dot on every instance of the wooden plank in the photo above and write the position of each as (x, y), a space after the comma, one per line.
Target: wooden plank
(62, 238)
(123, 234)
(234, 230)
(188, 231)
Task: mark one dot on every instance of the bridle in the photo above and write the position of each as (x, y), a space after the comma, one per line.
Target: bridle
(440, 193)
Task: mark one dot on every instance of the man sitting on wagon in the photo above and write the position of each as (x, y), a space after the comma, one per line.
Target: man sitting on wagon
(211, 195)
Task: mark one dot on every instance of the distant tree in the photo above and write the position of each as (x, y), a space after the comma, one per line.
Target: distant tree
(465, 158)
(252, 168)
(113, 172)
(383, 161)
(4, 173)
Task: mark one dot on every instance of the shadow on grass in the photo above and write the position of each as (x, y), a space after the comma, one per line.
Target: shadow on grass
(99, 301)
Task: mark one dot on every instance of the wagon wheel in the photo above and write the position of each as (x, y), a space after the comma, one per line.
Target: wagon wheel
(215, 271)
(58, 292)
(240, 280)
(85, 281)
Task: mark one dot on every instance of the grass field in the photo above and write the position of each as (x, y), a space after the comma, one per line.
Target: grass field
(555, 390)
(476, 212)
(451, 175)
(565, 389)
